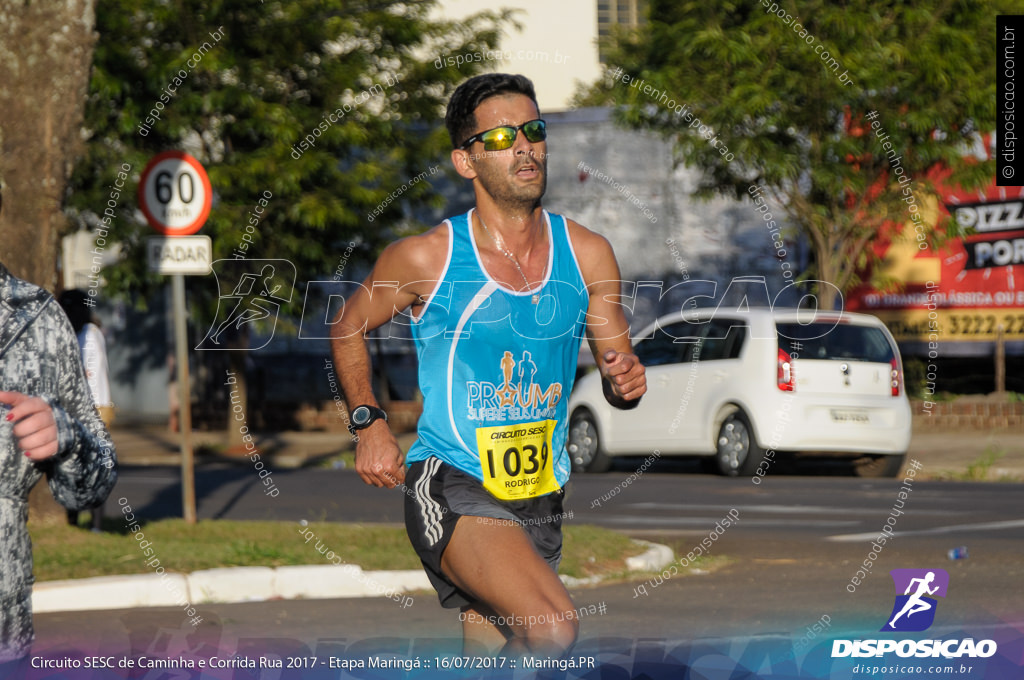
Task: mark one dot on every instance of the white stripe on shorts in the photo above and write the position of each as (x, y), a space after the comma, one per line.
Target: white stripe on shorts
(430, 510)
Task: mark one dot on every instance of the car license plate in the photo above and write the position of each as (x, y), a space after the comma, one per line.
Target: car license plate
(849, 416)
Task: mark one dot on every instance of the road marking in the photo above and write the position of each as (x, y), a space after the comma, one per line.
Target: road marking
(984, 526)
(776, 509)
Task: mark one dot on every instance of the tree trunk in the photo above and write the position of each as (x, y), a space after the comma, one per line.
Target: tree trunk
(239, 396)
(45, 60)
(827, 269)
(238, 419)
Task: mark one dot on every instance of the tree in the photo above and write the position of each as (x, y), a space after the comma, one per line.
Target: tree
(45, 51)
(324, 109)
(754, 94)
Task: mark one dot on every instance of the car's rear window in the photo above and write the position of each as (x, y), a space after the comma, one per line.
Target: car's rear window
(835, 341)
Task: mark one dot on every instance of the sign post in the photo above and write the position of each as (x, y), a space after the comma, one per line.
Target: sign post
(188, 480)
(175, 196)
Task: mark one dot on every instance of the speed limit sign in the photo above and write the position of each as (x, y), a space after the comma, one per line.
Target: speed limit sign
(175, 194)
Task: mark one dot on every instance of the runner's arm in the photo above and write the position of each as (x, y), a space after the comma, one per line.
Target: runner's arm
(607, 331)
(390, 288)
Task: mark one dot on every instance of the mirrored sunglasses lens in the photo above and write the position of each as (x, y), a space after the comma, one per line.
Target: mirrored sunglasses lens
(498, 139)
(536, 131)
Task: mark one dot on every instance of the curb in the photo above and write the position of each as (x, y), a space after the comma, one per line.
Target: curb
(227, 585)
(656, 558)
(258, 584)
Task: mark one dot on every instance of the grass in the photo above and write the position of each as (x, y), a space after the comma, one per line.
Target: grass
(592, 551)
(978, 469)
(64, 552)
(703, 564)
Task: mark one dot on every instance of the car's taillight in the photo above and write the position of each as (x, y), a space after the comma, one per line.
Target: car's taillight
(785, 376)
(895, 378)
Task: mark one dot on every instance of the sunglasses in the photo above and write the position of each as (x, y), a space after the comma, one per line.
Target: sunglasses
(505, 136)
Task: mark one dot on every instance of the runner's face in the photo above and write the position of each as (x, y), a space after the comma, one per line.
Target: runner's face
(518, 174)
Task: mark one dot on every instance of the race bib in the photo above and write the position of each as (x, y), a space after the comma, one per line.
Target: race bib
(516, 460)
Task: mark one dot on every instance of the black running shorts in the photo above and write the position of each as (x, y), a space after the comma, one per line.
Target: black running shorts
(440, 494)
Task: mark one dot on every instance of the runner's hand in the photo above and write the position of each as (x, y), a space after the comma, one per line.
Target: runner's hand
(379, 461)
(624, 374)
(34, 426)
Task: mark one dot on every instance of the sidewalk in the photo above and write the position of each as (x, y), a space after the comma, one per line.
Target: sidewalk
(950, 453)
(155, 445)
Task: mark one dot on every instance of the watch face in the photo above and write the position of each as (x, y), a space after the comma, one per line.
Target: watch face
(361, 416)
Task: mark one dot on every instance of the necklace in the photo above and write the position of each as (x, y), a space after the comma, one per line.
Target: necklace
(512, 258)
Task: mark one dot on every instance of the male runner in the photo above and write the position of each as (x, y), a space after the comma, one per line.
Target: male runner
(499, 299)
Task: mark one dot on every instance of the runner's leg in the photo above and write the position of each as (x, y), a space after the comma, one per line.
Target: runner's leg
(498, 565)
(480, 636)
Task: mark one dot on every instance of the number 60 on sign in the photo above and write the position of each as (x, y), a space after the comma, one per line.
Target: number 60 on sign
(175, 193)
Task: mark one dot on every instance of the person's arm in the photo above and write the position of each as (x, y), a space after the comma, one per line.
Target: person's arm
(97, 371)
(624, 378)
(396, 282)
(65, 433)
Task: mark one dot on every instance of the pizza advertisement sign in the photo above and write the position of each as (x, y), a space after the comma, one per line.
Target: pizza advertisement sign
(967, 291)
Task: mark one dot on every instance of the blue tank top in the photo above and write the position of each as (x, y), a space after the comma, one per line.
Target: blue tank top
(496, 369)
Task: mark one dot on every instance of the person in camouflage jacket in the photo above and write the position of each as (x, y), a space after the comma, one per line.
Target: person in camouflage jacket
(48, 425)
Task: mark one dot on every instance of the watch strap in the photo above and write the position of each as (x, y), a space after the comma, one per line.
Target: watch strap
(376, 413)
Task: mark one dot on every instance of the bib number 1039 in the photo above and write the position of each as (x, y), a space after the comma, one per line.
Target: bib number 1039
(512, 460)
(516, 459)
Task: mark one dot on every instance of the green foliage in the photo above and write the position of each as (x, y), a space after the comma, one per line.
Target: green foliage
(67, 552)
(590, 551)
(796, 124)
(978, 469)
(273, 77)
(915, 371)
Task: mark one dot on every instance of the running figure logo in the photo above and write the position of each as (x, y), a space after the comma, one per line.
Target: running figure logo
(517, 396)
(509, 391)
(250, 295)
(914, 610)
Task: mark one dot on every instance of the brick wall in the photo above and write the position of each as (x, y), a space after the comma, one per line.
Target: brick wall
(969, 414)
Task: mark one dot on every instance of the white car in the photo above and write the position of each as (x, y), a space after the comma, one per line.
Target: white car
(739, 386)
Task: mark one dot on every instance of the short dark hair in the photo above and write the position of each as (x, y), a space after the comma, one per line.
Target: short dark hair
(460, 119)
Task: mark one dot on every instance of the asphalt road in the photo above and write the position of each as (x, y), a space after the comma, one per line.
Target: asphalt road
(789, 560)
(660, 500)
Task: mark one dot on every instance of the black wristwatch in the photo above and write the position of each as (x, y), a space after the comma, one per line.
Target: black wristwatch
(363, 416)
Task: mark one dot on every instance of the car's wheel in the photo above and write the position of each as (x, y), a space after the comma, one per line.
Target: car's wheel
(879, 465)
(736, 449)
(584, 446)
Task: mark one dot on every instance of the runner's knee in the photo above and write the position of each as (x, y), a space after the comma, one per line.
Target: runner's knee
(555, 632)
